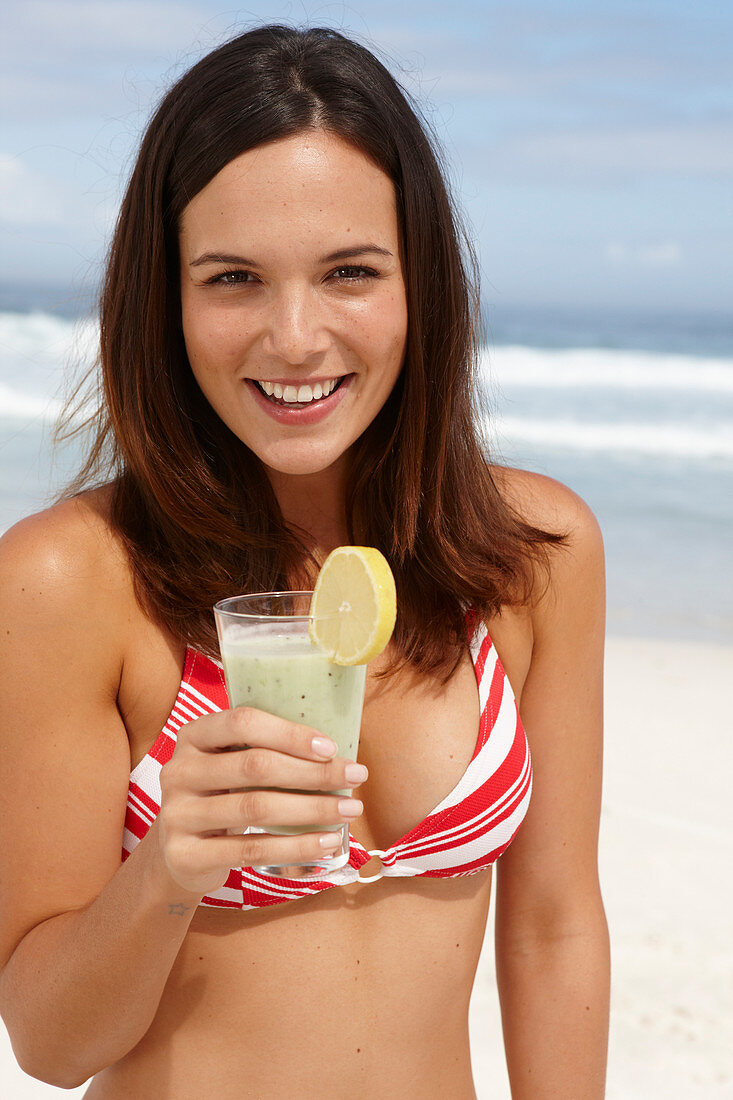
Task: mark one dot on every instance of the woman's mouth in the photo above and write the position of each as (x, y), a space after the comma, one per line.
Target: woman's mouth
(300, 396)
(301, 404)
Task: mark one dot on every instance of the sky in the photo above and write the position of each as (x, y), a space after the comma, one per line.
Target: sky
(590, 144)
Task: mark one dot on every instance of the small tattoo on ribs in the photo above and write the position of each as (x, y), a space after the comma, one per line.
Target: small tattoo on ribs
(178, 909)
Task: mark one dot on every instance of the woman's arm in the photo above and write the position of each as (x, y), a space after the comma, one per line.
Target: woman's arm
(551, 935)
(87, 944)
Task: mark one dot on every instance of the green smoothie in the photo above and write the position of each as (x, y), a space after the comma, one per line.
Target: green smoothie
(282, 673)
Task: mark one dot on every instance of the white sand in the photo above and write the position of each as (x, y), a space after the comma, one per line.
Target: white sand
(666, 870)
(666, 867)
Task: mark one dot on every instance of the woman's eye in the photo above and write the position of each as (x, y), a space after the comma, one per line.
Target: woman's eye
(232, 278)
(353, 274)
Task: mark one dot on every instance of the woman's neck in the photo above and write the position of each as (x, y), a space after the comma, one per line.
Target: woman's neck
(316, 504)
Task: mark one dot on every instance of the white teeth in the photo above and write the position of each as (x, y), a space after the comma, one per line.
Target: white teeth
(300, 395)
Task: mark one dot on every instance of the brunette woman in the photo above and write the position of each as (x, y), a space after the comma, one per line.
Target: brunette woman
(287, 345)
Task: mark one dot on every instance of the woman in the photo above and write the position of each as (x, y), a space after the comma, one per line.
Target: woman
(286, 225)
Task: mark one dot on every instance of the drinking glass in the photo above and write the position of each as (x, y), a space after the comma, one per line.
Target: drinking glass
(271, 664)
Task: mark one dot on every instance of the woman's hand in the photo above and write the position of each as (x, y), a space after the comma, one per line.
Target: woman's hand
(213, 788)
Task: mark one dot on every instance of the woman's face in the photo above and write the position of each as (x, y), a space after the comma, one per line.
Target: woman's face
(293, 298)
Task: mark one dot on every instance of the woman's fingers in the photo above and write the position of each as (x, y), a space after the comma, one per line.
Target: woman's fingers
(260, 767)
(265, 808)
(211, 793)
(204, 856)
(245, 726)
(278, 754)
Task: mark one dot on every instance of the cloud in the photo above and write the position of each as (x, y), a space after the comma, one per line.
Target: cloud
(610, 154)
(85, 58)
(661, 255)
(28, 198)
(589, 61)
(113, 28)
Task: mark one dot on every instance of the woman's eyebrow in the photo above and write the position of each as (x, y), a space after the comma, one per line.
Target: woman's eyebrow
(333, 257)
(221, 258)
(355, 250)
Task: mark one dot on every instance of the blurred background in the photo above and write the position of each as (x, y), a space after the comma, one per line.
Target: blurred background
(590, 150)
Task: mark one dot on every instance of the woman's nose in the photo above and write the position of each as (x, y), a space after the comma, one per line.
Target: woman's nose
(295, 327)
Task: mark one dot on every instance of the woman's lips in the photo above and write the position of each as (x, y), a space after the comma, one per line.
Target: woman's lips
(297, 414)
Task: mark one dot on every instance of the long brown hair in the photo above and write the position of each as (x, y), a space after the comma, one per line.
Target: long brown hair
(192, 503)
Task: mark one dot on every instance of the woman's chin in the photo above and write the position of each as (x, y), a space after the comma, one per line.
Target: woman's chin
(305, 463)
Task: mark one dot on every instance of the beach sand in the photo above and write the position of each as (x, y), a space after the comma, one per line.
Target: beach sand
(666, 859)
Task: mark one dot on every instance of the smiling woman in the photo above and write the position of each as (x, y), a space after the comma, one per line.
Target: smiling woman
(261, 333)
(332, 148)
(287, 351)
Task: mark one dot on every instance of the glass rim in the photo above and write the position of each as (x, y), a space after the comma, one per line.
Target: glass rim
(222, 608)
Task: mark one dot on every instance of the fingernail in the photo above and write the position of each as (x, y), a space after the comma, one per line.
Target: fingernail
(349, 807)
(355, 773)
(324, 746)
(330, 840)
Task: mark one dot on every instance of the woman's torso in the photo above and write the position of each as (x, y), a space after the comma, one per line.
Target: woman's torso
(357, 991)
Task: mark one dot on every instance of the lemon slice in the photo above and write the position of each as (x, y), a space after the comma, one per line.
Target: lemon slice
(354, 605)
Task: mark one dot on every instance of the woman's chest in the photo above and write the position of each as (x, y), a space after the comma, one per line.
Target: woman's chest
(418, 734)
(417, 739)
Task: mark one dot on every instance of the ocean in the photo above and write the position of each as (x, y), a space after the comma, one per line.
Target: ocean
(633, 412)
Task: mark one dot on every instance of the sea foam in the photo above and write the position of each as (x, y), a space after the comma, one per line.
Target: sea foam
(512, 365)
(576, 399)
(670, 439)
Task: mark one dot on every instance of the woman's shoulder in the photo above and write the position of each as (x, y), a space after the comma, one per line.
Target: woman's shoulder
(77, 529)
(546, 503)
(66, 557)
(574, 567)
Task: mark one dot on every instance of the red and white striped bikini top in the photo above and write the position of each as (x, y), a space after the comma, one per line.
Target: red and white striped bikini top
(463, 835)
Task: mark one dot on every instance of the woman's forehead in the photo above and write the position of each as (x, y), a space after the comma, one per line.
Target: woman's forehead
(312, 187)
